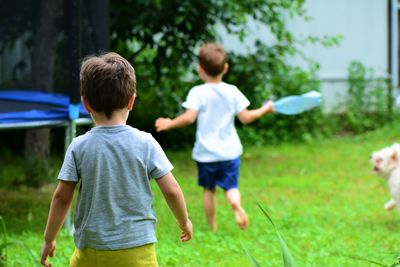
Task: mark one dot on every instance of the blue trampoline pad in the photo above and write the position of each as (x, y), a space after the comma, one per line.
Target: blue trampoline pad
(27, 106)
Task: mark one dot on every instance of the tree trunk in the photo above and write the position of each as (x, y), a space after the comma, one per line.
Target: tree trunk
(46, 44)
(37, 141)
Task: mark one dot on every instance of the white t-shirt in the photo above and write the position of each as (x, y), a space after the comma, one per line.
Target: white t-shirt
(217, 105)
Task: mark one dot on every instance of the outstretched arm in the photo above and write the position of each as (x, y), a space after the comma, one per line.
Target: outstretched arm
(60, 204)
(186, 118)
(248, 116)
(176, 202)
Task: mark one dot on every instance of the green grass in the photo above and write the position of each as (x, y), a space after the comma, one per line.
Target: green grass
(321, 195)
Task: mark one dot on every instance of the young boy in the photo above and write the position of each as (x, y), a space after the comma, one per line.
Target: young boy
(114, 219)
(217, 148)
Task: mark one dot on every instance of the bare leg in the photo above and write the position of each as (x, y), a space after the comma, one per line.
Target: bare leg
(233, 197)
(209, 204)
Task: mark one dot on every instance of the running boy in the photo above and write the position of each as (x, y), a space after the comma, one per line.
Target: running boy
(217, 148)
(114, 219)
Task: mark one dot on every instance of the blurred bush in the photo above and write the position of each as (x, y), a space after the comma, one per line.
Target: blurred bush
(370, 101)
(160, 38)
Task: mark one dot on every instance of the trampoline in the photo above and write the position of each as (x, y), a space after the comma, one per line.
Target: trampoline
(84, 28)
(23, 109)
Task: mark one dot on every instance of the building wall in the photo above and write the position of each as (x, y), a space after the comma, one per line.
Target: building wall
(363, 25)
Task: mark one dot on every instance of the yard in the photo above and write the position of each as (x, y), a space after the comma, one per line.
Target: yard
(322, 195)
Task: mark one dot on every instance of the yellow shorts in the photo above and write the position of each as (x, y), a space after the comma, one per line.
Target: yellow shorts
(143, 256)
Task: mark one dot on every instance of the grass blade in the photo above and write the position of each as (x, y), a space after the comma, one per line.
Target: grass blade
(5, 244)
(355, 257)
(3, 232)
(288, 259)
(23, 246)
(252, 259)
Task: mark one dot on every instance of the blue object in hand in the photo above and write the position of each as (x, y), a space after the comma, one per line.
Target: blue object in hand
(296, 104)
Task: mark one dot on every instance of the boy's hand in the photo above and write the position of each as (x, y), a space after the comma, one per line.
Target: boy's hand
(187, 231)
(162, 124)
(269, 107)
(47, 250)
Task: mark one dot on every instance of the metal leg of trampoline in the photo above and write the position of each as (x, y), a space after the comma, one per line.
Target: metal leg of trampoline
(70, 133)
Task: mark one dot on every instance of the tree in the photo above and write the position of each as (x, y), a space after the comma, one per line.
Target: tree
(160, 38)
(37, 141)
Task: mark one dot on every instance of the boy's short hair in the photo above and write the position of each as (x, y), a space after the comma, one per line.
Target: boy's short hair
(107, 82)
(212, 58)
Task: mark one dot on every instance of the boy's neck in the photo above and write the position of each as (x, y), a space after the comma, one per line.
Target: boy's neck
(118, 117)
(212, 79)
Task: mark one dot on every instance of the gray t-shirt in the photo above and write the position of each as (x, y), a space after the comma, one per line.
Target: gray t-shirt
(114, 207)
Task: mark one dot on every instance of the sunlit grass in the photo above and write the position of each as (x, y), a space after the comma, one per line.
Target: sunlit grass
(322, 196)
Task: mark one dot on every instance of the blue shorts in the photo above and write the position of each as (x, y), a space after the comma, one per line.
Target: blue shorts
(225, 174)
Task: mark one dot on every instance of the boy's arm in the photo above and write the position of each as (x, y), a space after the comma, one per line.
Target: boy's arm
(176, 202)
(248, 116)
(186, 118)
(60, 204)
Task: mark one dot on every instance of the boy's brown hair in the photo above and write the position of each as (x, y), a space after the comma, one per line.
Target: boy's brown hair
(212, 58)
(107, 82)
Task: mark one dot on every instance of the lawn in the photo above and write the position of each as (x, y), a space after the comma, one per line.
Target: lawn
(322, 196)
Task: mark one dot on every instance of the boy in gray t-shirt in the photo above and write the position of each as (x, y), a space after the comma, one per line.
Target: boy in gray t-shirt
(114, 164)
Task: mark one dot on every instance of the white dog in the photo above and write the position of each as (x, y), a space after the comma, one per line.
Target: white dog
(386, 163)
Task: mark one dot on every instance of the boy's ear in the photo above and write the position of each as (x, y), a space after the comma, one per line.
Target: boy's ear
(226, 68)
(86, 104)
(199, 69)
(131, 102)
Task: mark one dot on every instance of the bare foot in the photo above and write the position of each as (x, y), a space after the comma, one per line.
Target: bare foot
(390, 205)
(241, 218)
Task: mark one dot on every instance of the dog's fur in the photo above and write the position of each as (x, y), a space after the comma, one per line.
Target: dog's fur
(386, 163)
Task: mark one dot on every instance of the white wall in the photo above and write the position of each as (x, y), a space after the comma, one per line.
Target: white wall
(255, 31)
(363, 25)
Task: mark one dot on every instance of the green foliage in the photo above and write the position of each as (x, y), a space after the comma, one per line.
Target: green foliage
(370, 101)
(14, 173)
(5, 243)
(265, 75)
(36, 172)
(160, 39)
(22, 172)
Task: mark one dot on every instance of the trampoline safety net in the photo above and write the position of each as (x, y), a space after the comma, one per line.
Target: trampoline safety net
(43, 41)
